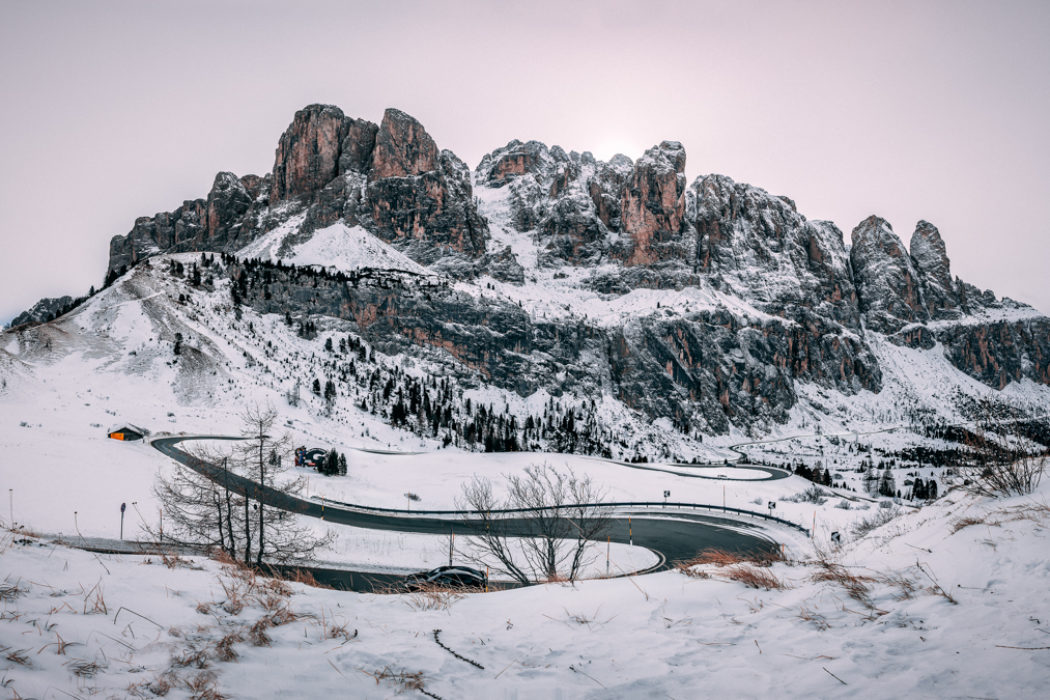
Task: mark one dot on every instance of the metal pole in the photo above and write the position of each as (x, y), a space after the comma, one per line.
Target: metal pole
(630, 532)
(608, 539)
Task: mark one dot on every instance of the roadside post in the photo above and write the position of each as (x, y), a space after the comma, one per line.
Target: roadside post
(123, 507)
(772, 505)
(608, 540)
(667, 494)
(630, 531)
(11, 505)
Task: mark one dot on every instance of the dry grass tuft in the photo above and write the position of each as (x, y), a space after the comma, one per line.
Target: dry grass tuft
(856, 586)
(95, 601)
(433, 598)
(816, 619)
(224, 648)
(690, 571)
(161, 685)
(306, 578)
(10, 591)
(84, 669)
(332, 630)
(753, 577)
(17, 656)
(257, 632)
(174, 561)
(202, 687)
(967, 522)
(723, 558)
(879, 518)
(234, 590)
(198, 658)
(904, 585)
(402, 680)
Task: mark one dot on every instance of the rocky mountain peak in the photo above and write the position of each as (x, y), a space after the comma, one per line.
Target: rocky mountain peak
(930, 256)
(513, 160)
(653, 202)
(307, 155)
(403, 147)
(226, 204)
(886, 279)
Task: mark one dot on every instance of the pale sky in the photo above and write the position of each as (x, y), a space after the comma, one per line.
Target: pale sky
(909, 110)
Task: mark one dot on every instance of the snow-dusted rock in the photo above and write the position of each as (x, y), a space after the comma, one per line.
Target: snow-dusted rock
(888, 286)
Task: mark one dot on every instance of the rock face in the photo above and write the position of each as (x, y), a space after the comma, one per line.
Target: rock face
(887, 283)
(403, 148)
(308, 153)
(705, 370)
(653, 203)
(781, 301)
(759, 246)
(390, 179)
(419, 197)
(930, 257)
(42, 311)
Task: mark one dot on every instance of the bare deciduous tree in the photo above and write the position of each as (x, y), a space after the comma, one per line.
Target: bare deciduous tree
(555, 516)
(1000, 470)
(213, 512)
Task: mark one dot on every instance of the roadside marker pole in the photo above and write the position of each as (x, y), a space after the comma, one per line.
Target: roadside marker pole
(630, 531)
(813, 532)
(11, 505)
(486, 579)
(608, 539)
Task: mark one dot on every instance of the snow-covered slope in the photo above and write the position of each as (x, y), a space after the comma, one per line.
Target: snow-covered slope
(339, 246)
(948, 601)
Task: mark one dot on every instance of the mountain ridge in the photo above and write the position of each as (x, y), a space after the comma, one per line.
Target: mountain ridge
(530, 255)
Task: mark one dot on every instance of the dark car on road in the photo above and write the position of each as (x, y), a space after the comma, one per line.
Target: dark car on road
(447, 577)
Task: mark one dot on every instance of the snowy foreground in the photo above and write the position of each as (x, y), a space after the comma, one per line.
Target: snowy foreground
(947, 601)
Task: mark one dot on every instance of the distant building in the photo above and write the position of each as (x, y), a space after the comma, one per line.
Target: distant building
(126, 433)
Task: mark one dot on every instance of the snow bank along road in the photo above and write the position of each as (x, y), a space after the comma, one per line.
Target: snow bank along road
(672, 535)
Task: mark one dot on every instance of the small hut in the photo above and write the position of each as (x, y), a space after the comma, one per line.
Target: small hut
(126, 433)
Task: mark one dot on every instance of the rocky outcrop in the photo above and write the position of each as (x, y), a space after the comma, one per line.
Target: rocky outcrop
(42, 311)
(403, 148)
(571, 200)
(422, 199)
(888, 285)
(653, 204)
(998, 353)
(758, 246)
(328, 167)
(227, 203)
(930, 257)
(308, 153)
(705, 370)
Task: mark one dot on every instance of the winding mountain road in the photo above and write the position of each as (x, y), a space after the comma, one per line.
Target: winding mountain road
(672, 535)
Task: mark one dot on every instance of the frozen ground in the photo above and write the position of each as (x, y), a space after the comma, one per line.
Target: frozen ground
(949, 601)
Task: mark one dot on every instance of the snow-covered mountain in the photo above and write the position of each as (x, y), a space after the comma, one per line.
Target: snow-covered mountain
(654, 312)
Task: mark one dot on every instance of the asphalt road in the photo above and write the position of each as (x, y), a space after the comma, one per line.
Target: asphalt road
(673, 539)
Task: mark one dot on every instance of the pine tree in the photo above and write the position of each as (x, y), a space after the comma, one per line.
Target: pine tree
(342, 465)
(887, 486)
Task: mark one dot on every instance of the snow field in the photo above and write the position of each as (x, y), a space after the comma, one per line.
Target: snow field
(896, 635)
